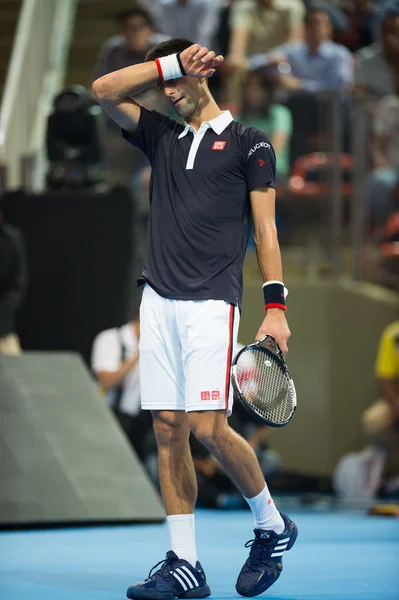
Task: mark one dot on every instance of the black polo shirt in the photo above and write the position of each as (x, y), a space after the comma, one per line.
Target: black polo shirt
(200, 217)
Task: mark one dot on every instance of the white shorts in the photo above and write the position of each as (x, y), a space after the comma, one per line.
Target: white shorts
(186, 349)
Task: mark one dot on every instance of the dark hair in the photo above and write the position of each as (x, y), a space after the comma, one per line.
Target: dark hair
(391, 10)
(172, 46)
(267, 83)
(123, 15)
(316, 8)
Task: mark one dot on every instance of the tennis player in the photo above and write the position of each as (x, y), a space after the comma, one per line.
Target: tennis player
(211, 178)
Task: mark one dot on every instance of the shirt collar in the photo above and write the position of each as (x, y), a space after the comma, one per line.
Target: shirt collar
(323, 49)
(218, 124)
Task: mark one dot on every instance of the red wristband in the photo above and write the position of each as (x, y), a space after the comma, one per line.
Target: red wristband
(275, 305)
(159, 69)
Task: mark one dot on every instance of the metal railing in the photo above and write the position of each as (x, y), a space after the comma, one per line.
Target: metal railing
(35, 74)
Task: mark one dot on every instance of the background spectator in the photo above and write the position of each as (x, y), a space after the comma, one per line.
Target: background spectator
(260, 25)
(136, 37)
(257, 26)
(316, 64)
(115, 362)
(361, 25)
(195, 20)
(378, 64)
(302, 69)
(259, 109)
(361, 476)
(13, 283)
(384, 178)
(128, 48)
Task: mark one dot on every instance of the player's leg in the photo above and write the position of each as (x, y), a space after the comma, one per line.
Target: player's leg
(207, 351)
(161, 381)
(177, 480)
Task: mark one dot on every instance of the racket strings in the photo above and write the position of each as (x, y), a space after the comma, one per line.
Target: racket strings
(264, 385)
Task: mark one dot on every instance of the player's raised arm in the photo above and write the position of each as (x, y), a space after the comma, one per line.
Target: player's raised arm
(115, 91)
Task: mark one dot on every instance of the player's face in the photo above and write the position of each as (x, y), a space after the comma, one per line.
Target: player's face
(184, 94)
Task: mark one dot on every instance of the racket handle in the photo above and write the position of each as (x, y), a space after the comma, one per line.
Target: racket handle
(270, 343)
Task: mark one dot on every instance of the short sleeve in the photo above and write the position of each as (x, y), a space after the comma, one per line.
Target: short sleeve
(151, 127)
(241, 14)
(296, 12)
(386, 364)
(106, 351)
(259, 160)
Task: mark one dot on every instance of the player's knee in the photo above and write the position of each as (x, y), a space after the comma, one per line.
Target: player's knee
(169, 426)
(206, 429)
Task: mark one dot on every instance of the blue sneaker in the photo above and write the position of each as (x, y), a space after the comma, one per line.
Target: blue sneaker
(176, 578)
(264, 564)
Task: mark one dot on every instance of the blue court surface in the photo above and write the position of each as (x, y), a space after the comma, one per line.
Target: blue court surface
(337, 555)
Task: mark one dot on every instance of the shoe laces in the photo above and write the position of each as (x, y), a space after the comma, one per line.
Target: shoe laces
(260, 550)
(166, 565)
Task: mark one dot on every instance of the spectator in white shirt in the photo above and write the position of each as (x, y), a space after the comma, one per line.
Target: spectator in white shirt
(115, 362)
(384, 178)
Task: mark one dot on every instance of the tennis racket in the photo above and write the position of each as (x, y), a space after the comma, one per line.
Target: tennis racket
(263, 384)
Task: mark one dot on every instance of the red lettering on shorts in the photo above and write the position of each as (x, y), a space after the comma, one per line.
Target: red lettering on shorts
(215, 395)
(218, 145)
(261, 162)
(205, 395)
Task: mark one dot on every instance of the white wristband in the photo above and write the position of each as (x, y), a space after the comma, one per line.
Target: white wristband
(280, 283)
(169, 67)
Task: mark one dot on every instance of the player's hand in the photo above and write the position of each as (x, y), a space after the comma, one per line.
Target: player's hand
(198, 61)
(275, 325)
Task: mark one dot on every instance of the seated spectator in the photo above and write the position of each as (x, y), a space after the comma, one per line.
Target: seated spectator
(131, 45)
(303, 69)
(317, 64)
(196, 20)
(115, 362)
(360, 29)
(377, 64)
(260, 110)
(260, 25)
(128, 48)
(381, 421)
(13, 283)
(383, 185)
(257, 26)
(360, 477)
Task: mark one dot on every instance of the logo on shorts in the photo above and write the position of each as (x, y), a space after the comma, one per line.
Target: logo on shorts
(215, 395)
(261, 162)
(218, 145)
(205, 395)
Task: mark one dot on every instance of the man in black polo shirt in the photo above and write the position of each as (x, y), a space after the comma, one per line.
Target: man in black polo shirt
(211, 178)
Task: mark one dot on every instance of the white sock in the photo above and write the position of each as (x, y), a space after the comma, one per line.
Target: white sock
(182, 537)
(266, 515)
